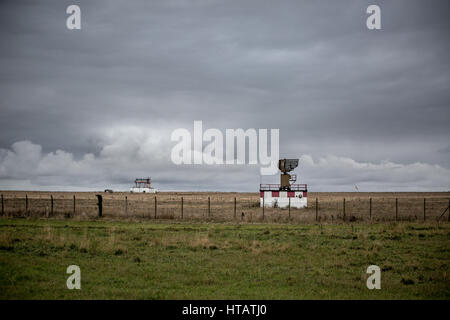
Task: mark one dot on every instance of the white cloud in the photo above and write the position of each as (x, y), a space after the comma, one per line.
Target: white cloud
(130, 152)
(342, 173)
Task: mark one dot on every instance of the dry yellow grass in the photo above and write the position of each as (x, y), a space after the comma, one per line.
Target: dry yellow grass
(410, 206)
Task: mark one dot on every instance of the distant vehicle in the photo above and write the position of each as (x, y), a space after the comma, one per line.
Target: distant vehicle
(109, 190)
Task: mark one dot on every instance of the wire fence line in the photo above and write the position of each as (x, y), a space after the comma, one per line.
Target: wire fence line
(215, 207)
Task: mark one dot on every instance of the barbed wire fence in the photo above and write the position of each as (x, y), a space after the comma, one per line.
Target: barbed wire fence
(222, 208)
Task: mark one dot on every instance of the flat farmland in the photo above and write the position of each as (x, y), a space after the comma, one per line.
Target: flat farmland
(197, 248)
(227, 206)
(203, 260)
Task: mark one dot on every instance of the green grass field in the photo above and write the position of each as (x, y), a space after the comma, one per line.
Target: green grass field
(158, 260)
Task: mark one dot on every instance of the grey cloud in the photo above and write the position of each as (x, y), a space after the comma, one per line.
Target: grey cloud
(309, 68)
(26, 165)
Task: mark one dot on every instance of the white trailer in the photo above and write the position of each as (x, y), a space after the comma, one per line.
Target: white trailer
(143, 185)
(142, 190)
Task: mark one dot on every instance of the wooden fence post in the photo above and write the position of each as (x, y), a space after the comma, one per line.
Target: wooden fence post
(126, 205)
(289, 208)
(424, 208)
(73, 205)
(3, 207)
(234, 207)
(156, 207)
(143, 212)
(26, 204)
(448, 210)
(317, 209)
(99, 204)
(209, 207)
(396, 209)
(344, 210)
(51, 205)
(370, 209)
(181, 207)
(263, 209)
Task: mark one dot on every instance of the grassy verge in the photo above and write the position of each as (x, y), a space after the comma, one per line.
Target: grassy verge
(148, 260)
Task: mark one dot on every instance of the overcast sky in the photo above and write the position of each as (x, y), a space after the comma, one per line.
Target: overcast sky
(95, 108)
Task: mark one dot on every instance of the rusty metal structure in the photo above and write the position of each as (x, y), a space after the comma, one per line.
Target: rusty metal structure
(287, 193)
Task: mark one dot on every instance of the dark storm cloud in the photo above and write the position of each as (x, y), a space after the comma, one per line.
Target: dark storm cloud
(337, 91)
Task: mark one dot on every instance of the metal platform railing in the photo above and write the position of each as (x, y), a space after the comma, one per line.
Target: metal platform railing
(276, 187)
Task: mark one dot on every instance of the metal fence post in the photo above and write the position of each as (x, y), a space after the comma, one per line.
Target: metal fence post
(156, 207)
(370, 209)
(3, 206)
(26, 204)
(51, 204)
(74, 205)
(181, 207)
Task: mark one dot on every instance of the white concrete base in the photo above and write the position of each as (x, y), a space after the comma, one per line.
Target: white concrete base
(284, 202)
(281, 199)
